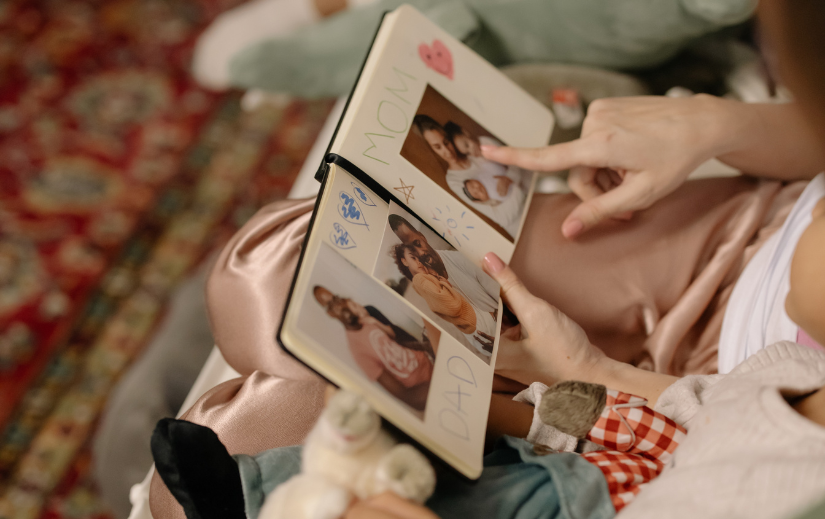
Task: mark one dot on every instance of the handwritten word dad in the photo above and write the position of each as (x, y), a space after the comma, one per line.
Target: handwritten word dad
(452, 416)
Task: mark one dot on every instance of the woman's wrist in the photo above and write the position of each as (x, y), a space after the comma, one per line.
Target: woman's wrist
(765, 140)
(726, 125)
(590, 365)
(627, 378)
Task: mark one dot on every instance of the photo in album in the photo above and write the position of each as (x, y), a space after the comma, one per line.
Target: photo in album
(444, 144)
(439, 280)
(369, 330)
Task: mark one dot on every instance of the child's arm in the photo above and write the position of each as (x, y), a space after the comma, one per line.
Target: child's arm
(520, 420)
(508, 417)
(570, 411)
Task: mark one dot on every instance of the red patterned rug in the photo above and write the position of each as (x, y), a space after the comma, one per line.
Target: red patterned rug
(117, 174)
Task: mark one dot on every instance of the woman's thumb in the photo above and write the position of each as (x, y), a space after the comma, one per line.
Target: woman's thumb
(513, 291)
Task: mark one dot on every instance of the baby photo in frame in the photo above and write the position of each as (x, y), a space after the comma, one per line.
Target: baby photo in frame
(444, 144)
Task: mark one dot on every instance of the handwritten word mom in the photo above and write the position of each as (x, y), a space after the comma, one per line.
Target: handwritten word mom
(390, 115)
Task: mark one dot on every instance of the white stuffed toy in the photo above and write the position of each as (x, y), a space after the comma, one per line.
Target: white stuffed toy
(348, 455)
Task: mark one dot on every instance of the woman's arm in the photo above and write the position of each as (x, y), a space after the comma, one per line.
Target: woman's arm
(768, 140)
(634, 151)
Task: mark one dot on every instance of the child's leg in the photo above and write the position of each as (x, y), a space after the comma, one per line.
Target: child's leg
(198, 470)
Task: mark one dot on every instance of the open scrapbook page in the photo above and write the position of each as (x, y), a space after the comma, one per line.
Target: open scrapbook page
(385, 306)
(390, 299)
(422, 107)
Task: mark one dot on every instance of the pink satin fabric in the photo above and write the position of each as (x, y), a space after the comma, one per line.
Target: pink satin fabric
(247, 290)
(651, 291)
(278, 399)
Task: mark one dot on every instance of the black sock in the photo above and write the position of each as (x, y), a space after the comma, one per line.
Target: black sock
(198, 470)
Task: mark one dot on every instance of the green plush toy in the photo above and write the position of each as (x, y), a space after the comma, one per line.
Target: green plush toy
(324, 59)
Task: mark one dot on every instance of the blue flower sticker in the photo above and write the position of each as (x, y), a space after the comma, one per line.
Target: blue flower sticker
(350, 211)
(361, 195)
(341, 238)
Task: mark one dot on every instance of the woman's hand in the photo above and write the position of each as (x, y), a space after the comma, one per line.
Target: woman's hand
(632, 152)
(551, 347)
(547, 346)
(388, 506)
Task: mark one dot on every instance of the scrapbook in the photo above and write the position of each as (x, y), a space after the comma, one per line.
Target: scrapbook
(389, 299)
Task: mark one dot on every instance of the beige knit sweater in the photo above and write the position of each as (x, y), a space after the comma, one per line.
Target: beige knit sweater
(748, 453)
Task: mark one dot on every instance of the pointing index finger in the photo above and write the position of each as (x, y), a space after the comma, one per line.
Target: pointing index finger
(557, 157)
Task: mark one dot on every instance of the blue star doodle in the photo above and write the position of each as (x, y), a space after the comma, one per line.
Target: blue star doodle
(361, 194)
(454, 224)
(350, 210)
(341, 238)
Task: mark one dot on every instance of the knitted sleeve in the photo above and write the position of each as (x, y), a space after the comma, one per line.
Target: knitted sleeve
(682, 400)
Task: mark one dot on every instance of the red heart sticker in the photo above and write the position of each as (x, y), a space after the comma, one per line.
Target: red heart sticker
(437, 57)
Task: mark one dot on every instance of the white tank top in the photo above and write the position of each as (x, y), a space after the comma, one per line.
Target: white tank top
(755, 316)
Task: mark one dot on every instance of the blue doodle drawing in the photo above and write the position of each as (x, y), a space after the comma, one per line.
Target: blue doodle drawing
(341, 238)
(350, 210)
(455, 227)
(362, 195)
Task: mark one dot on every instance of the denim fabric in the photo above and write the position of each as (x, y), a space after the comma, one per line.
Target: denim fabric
(260, 474)
(515, 484)
(518, 484)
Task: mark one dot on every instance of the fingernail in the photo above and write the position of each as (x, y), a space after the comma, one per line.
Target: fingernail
(572, 228)
(487, 147)
(493, 263)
